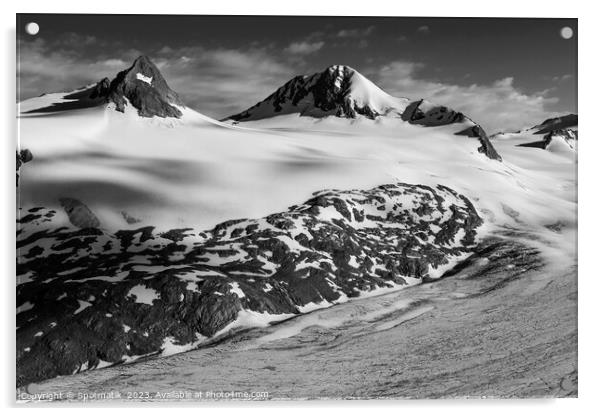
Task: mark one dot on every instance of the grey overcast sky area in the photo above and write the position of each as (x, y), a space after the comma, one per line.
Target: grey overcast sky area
(504, 73)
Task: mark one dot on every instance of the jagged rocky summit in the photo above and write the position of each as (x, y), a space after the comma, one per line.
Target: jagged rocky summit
(141, 86)
(343, 92)
(87, 298)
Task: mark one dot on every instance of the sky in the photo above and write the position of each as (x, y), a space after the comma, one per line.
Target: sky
(505, 74)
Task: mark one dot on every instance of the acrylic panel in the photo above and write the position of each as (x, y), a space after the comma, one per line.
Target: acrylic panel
(294, 207)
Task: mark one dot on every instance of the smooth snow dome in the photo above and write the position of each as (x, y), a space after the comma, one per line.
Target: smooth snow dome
(144, 78)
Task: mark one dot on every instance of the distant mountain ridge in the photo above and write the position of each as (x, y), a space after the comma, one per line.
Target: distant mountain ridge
(343, 92)
(557, 123)
(560, 134)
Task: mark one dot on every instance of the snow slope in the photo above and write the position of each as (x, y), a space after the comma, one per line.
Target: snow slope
(196, 172)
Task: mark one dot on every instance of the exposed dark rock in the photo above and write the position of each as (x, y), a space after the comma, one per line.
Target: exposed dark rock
(569, 136)
(79, 214)
(101, 89)
(557, 123)
(435, 116)
(486, 146)
(128, 218)
(143, 86)
(440, 115)
(86, 297)
(23, 157)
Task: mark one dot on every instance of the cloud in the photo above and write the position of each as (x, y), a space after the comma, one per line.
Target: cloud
(221, 82)
(355, 33)
(424, 29)
(496, 106)
(114, 63)
(50, 67)
(304, 48)
(562, 78)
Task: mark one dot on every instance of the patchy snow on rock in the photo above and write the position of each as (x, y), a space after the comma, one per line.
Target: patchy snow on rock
(103, 364)
(143, 294)
(25, 307)
(251, 319)
(171, 347)
(82, 305)
(312, 306)
(144, 78)
(235, 288)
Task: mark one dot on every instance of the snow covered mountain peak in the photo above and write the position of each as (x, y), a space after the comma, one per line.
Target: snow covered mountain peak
(343, 92)
(339, 90)
(145, 88)
(141, 86)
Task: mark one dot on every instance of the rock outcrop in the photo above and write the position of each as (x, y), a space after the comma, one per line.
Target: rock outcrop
(87, 298)
(559, 132)
(565, 137)
(557, 123)
(486, 146)
(24, 156)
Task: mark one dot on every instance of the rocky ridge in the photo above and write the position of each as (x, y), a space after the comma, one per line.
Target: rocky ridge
(561, 130)
(88, 298)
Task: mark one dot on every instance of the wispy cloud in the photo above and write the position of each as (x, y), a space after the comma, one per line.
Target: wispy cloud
(59, 66)
(221, 82)
(304, 48)
(497, 106)
(355, 33)
(561, 78)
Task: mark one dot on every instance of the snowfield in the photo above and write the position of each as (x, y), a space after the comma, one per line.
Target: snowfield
(198, 172)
